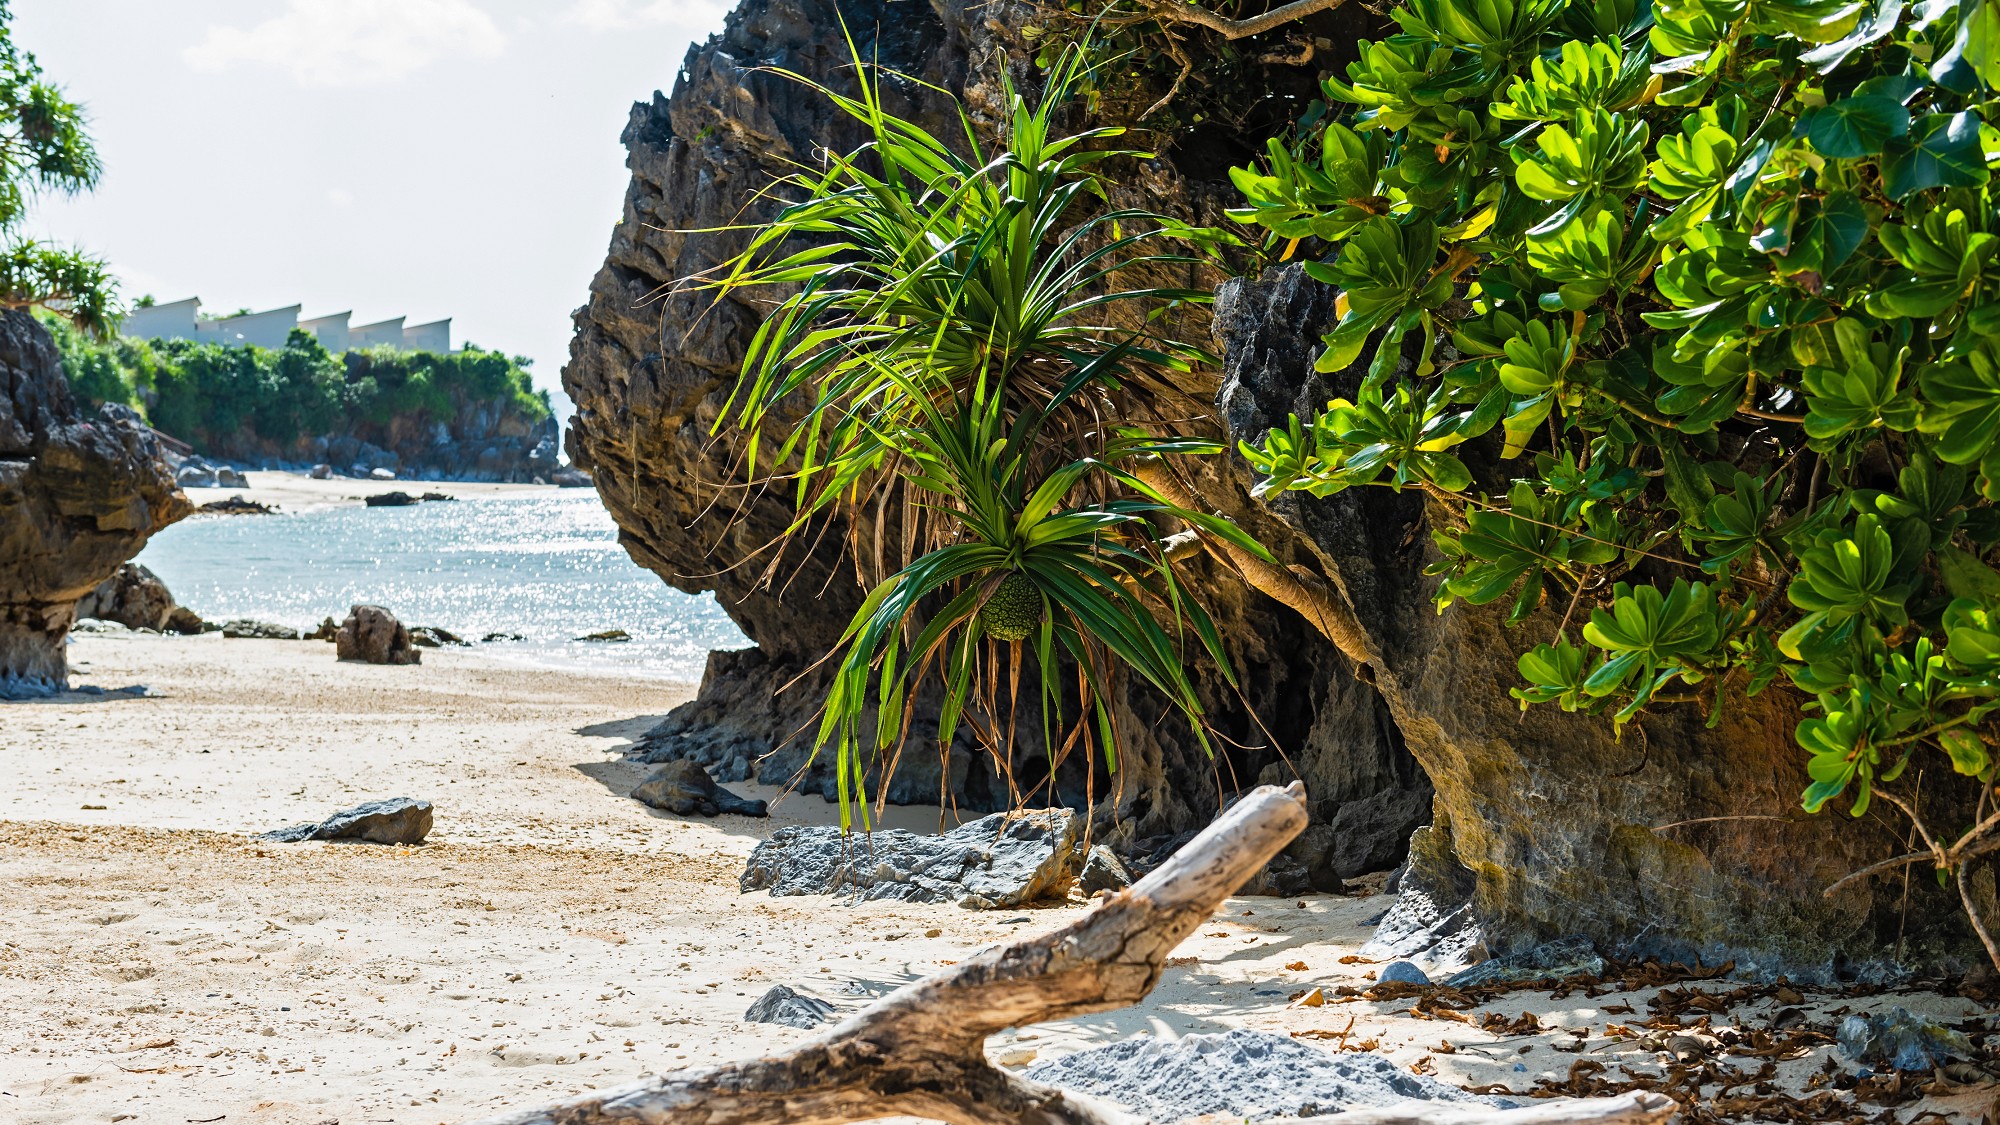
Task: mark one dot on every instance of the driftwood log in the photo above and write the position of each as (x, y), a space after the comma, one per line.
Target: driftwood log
(920, 1051)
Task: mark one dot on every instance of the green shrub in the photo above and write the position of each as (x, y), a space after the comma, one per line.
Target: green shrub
(1725, 277)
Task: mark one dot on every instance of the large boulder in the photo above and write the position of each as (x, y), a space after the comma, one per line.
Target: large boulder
(654, 361)
(80, 493)
(995, 861)
(134, 597)
(372, 635)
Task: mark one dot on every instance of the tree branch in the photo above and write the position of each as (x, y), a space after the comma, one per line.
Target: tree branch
(1307, 594)
(1181, 12)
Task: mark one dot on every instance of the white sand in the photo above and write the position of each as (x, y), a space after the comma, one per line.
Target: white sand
(156, 965)
(297, 492)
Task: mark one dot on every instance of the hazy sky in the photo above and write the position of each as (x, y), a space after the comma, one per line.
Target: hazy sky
(426, 158)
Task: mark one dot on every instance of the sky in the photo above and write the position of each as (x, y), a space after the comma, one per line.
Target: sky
(419, 158)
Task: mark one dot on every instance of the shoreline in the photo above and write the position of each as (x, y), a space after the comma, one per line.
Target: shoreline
(294, 492)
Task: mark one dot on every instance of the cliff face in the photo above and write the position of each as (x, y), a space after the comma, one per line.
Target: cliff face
(79, 494)
(1542, 825)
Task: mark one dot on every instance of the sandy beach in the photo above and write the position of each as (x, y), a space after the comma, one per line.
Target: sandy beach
(298, 492)
(159, 965)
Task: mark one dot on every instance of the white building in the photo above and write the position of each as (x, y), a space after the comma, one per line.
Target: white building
(182, 320)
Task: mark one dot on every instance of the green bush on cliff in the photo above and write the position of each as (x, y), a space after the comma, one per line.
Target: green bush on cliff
(218, 396)
(1715, 287)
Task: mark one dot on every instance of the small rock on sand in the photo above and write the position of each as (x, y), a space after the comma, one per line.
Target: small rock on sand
(993, 862)
(1102, 872)
(1238, 1074)
(259, 630)
(1402, 972)
(398, 820)
(372, 635)
(685, 789)
(792, 1008)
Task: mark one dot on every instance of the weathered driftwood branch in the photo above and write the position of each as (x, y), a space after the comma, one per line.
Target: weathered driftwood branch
(920, 1051)
(1180, 11)
(1300, 590)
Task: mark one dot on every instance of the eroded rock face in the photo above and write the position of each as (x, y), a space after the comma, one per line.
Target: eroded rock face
(651, 367)
(79, 494)
(1678, 839)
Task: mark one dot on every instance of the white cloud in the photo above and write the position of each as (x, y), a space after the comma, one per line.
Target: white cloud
(611, 15)
(351, 42)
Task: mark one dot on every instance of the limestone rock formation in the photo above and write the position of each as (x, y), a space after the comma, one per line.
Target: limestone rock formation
(80, 493)
(372, 635)
(651, 366)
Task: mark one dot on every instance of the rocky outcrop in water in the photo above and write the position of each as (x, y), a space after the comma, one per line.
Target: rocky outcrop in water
(80, 493)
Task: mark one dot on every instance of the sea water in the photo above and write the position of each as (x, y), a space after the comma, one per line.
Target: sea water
(546, 566)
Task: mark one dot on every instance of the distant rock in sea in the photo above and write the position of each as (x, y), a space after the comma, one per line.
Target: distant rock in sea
(607, 635)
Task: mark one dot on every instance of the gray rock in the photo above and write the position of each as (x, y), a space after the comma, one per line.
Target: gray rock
(396, 499)
(572, 478)
(134, 597)
(259, 630)
(1238, 1074)
(685, 789)
(1898, 1040)
(1551, 960)
(792, 1008)
(1102, 872)
(381, 474)
(995, 861)
(430, 636)
(1401, 972)
(398, 820)
(322, 472)
(226, 477)
(607, 636)
(195, 475)
(372, 635)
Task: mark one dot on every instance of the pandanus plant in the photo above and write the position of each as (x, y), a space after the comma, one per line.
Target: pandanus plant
(958, 333)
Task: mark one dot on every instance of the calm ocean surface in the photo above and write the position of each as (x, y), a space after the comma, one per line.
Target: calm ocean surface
(548, 567)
